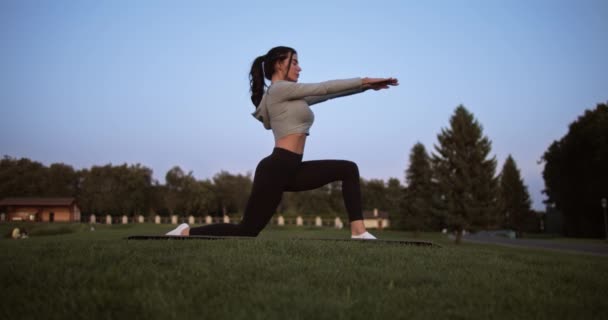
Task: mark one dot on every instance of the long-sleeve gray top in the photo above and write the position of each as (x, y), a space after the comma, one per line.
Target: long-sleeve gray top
(285, 105)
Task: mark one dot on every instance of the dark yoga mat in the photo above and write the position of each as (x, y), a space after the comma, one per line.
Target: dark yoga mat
(401, 242)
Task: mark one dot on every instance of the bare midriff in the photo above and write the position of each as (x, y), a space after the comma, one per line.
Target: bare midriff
(293, 142)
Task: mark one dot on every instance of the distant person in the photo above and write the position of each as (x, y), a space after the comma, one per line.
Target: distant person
(284, 108)
(16, 233)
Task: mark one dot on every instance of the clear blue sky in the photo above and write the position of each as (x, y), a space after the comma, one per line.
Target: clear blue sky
(165, 83)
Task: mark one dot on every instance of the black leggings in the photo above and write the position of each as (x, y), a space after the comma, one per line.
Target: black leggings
(282, 171)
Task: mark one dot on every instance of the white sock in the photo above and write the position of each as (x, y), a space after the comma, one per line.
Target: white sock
(365, 235)
(178, 231)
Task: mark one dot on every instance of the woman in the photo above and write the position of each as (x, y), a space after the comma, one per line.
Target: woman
(284, 109)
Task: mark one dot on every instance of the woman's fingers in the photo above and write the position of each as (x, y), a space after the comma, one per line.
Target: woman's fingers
(383, 81)
(379, 83)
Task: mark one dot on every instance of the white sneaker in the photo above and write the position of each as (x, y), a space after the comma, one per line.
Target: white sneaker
(178, 231)
(365, 236)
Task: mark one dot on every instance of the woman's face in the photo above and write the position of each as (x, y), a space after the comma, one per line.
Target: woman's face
(294, 70)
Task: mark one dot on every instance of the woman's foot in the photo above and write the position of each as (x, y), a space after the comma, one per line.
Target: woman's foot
(181, 230)
(365, 236)
(358, 231)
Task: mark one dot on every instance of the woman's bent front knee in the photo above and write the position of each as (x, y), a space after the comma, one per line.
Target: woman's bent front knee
(351, 168)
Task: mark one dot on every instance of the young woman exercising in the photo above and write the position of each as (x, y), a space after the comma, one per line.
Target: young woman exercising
(284, 109)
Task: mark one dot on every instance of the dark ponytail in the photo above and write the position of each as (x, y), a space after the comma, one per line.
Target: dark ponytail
(263, 67)
(256, 80)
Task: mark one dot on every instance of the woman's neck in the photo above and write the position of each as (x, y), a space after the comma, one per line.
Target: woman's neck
(276, 78)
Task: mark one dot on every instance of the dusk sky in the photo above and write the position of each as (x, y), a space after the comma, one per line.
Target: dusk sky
(165, 83)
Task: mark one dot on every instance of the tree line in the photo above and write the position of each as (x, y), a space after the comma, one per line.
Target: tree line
(455, 186)
(130, 189)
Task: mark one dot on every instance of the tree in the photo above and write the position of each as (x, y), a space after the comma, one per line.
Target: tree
(61, 181)
(514, 199)
(184, 194)
(97, 195)
(135, 192)
(336, 199)
(315, 202)
(22, 178)
(116, 190)
(417, 203)
(373, 194)
(465, 176)
(394, 198)
(232, 191)
(575, 173)
(200, 198)
(173, 192)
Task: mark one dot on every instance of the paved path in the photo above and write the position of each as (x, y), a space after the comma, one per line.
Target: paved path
(598, 249)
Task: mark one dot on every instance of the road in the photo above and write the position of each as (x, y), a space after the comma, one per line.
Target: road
(598, 249)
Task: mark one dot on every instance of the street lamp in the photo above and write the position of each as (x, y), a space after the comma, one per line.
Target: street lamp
(604, 204)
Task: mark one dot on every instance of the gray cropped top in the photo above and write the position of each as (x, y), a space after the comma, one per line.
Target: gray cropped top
(285, 105)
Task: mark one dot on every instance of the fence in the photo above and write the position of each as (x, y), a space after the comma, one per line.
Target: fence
(280, 220)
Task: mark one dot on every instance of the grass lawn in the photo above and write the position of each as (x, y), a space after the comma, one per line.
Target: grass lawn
(69, 272)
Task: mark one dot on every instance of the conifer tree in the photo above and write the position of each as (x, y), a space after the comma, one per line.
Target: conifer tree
(514, 198)
(394, 198)
(417, 207)
(465, 175)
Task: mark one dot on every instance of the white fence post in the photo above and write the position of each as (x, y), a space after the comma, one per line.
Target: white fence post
(108, 219)
(226, 219)
(299, 221)
(140, 219)
(173, 219)
(281, 220)
(191, 219)
(318, 222)
(157, 219)
(125, 219)
(338, 223)
(93, 219)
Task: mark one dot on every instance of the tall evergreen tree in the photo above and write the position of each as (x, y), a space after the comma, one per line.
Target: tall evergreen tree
(394, 197)
(514, 199)
(464, 174)
(575, 173)
(417, 204)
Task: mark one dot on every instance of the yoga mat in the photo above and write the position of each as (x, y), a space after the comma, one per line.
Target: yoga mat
(377, 241)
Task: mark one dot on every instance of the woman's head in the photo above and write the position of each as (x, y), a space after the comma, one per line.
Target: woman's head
(282, 61)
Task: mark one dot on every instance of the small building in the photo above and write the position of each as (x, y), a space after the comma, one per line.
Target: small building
(376, 219)
(41, 209)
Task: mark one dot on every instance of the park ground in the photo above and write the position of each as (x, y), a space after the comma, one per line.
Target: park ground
(68, 271)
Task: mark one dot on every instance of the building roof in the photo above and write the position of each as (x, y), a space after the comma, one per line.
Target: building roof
(37, 201)
(369, 214)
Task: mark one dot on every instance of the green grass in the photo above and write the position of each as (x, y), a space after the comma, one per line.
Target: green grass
(75, 273)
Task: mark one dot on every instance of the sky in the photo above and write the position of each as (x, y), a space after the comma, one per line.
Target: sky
(165, 83)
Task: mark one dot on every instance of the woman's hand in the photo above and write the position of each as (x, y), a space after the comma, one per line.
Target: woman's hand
(379, 83)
